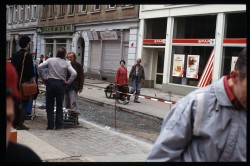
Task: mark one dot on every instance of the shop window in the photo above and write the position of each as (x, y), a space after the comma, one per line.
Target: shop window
(229, 57)
(191, 66)
(236, 25)
(195, 27)
(155, 29)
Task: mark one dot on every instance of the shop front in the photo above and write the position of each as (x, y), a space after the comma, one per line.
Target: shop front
(192, 51)
(53, 37)
(104, 47)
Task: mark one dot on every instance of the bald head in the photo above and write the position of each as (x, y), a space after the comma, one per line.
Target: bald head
(138, 61)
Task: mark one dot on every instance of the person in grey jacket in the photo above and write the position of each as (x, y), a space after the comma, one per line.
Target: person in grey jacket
(55, 86)
(208, 124)
(136, 76)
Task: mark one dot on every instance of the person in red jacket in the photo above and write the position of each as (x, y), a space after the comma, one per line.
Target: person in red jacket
(121, 81)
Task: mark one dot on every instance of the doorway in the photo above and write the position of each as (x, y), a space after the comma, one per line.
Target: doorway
(159, 70)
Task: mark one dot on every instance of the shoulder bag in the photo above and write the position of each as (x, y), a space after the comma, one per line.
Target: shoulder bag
(27, 90)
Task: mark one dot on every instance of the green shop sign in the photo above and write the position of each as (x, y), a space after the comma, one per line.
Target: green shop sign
(57, 29)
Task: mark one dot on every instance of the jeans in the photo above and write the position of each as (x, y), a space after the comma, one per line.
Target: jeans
(136, 87)
(55, 90)
(24, 106)
(71, 99)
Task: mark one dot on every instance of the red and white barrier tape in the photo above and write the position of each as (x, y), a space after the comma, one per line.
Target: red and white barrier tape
(140, 96)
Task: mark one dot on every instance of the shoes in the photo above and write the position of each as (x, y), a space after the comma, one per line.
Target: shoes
(42, 107)
(58, 128)
(50, 128)
(22, 127)
(125, 102)
(136, 101)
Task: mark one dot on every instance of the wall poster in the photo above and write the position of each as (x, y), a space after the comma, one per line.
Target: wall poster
(192, 66)
(178, 65)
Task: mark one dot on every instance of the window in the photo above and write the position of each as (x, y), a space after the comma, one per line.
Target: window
(111, 6)
(62, 13)
(71, 9)
(84, 8)
(44, 12)
(156, 29)
(189, 59)
(10, 20)
(22, 13)
(235, 29)
(195, 27)
(27, 12)
(190, 66)
(15, 14)
(51, 10)
(34, 10)
(96, 7)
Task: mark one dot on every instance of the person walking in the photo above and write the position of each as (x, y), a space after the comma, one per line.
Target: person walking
(55, 86)
(121, 81)
(27, 75)
(15, 152)
(209, 124)
(136, 76)
(72, 90)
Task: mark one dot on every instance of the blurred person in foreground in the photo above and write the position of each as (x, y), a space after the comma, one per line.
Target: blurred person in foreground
(72, 90)
(15, 152)
(209, 124)
(55, 86)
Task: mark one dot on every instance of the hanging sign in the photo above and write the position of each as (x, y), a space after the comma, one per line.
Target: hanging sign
(109, 35)
(192, 66)
(234, 60)
(178, 65)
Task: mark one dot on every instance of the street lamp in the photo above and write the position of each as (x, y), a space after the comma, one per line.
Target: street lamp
(38, 30)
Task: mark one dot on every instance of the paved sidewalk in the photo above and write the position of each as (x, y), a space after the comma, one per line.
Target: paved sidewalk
(86, 142)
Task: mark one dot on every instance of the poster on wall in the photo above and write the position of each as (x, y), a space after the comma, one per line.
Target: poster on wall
(234, 60)
(178, 65)
(193, 66)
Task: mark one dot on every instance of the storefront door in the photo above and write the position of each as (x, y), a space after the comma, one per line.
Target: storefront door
(159, 70)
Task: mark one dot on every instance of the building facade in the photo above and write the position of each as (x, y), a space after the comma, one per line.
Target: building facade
(21, 20)
(184, 47)
(101, 35)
